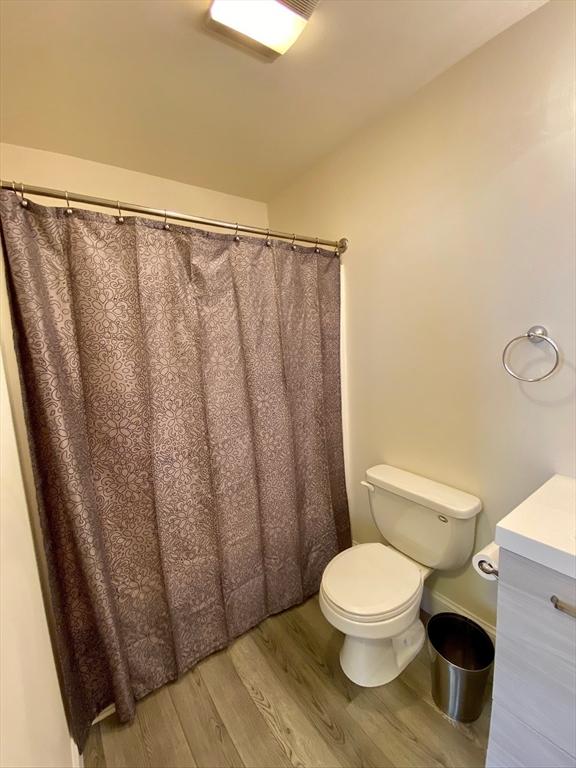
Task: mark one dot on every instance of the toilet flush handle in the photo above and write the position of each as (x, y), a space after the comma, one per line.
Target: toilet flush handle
(368, 485)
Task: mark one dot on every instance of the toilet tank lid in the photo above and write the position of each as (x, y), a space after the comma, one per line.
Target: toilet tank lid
(428, 493)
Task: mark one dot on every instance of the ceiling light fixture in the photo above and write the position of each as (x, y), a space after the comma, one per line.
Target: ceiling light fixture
(273, 25)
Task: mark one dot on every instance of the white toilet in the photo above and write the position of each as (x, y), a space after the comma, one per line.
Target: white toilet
(372, 592)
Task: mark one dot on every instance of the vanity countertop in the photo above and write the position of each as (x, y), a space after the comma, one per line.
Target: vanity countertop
(543, 527)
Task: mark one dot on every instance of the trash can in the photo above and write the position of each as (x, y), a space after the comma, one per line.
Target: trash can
(462, 654)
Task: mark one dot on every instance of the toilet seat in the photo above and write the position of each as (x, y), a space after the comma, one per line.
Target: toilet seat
(371, 583)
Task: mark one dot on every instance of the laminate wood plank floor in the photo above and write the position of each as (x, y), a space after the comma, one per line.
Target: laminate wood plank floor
(277, 697)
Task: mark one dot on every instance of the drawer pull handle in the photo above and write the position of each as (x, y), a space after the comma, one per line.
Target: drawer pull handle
(564, 607)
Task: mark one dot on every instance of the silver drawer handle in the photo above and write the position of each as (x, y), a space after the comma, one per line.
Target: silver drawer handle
(564, 607)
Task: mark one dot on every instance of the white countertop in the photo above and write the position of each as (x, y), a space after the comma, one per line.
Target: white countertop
(543, 527)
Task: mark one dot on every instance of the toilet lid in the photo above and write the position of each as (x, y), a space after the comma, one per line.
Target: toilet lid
(371, 579)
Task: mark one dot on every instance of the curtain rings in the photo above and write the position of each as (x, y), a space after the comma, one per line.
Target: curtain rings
(166, 225)
(23, 201)
(120, 218)
(293, 243)
(69, 210)
(316, 249)
(236, 235)
(268, 241)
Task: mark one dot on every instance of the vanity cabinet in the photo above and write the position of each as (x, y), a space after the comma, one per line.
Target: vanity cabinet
(533, 721)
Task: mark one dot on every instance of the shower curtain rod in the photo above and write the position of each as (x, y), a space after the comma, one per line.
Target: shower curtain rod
(74, 197)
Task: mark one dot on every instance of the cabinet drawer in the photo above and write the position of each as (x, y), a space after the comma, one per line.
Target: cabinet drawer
(535, 672)
(513, 744)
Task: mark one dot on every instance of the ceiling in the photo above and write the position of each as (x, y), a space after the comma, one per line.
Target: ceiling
(142, 85)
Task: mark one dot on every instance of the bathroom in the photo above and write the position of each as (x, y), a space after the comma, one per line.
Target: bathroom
(263, 312)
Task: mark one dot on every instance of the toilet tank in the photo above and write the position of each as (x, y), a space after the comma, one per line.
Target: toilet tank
(432, 523)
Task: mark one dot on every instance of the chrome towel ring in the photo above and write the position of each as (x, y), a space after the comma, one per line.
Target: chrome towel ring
(536, 335)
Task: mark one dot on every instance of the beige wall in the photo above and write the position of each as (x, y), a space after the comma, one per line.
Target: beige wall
(48, 169)
(32, 725)
(460, 211)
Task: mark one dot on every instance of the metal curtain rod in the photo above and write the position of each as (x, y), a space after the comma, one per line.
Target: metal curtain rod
(339, 245)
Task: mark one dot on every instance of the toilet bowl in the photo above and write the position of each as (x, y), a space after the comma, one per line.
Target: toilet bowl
(372, 592)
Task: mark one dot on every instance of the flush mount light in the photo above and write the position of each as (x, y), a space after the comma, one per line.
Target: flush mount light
(271, 25)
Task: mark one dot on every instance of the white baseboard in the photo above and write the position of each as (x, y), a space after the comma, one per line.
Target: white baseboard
(77, 758)
(433, 603)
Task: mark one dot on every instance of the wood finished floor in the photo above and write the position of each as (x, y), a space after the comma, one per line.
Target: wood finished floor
(277, 697)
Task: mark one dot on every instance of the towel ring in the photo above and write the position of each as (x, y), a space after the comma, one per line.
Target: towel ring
(536, 334)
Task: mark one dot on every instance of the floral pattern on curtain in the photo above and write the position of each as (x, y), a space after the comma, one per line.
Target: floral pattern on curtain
(183, 404)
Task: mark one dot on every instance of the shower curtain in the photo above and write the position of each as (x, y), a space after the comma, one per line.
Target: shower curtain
(183, 404)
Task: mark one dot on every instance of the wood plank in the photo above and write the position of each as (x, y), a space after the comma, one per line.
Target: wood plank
(442, 735)
(164, 739)
(417, 677)
(123, 744)
(447, 742)
(255, 743)
(205, 731)
(323, 702)
(280, 691)
(321, 640)
(402, 746)
(301, 741)
(452, 743)
(424, 724)
(93, 754)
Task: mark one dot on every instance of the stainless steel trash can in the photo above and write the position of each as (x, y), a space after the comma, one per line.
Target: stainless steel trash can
(462, 654)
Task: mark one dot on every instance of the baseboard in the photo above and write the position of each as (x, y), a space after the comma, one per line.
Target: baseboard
(77, 759)
(433, 603)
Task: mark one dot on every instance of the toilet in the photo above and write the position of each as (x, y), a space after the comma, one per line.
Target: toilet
(372, 592)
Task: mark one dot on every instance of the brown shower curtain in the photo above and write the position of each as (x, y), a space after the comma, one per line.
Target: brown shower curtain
(183, 398)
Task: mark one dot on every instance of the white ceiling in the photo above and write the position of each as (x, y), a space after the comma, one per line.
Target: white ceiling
(140, 84)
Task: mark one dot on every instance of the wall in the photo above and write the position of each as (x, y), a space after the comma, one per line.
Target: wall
(49, 169)
(33, 728)
(460, 211)
(32, 721)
